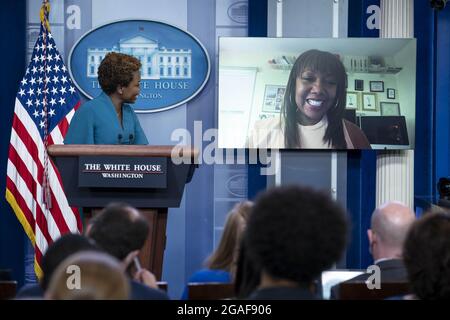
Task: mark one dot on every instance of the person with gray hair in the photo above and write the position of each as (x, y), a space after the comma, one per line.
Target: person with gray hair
(390, 224)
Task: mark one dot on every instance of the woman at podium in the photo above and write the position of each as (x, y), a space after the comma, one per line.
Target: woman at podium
(109, 119)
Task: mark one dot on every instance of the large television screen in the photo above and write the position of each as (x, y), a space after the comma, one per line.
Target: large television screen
(316, 93)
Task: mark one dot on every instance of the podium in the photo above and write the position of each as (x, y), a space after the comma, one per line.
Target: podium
(145, 177)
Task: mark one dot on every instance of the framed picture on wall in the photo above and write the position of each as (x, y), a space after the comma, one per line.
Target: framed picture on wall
(389, 108)
(376, 86)
(359, 85)
(369, 102)
(352, 100)
(273, 98)
(390, 93)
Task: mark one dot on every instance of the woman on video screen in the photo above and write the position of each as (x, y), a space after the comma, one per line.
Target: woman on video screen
(312, 114)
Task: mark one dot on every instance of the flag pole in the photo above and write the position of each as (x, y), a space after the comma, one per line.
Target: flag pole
(45, 10)
(44, 14)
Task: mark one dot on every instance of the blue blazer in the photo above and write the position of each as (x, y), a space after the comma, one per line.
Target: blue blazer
(96, 122)
(205, 276)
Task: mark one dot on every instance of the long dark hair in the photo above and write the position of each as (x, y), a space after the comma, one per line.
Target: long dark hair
(323, 62)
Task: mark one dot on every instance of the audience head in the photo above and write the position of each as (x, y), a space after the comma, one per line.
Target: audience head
(119, 229)
(225, 256)
(389, 225)
(427, 256)
(100, 277)
(294, 233)
(61, 249)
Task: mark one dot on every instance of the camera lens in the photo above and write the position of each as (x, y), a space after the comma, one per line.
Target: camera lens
(438, 4)
(444, 188)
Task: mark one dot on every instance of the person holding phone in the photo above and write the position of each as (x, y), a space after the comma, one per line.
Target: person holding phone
(121, 231)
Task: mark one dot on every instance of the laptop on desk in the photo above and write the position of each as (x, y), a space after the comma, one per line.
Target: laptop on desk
(332, 277)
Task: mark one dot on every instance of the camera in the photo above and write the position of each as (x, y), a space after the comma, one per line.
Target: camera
(444, 188)
(438, 4)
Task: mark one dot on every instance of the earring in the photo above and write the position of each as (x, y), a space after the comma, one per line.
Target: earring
(336, 105)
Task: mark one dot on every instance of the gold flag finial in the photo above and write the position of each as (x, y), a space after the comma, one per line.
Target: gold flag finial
(44, 13)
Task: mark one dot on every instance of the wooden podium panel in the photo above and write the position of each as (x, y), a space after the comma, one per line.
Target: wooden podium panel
(153, 203)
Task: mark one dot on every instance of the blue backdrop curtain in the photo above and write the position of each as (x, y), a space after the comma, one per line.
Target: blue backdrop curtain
(13, 54)
(439, 110)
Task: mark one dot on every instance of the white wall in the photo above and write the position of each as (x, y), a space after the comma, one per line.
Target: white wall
(407, 95)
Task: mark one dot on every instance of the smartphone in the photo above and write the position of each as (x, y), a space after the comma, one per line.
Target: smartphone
(137, 264)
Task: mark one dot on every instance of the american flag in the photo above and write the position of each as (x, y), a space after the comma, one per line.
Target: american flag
(44, 106)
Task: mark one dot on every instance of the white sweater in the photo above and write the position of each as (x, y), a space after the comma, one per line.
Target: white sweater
(268, 133)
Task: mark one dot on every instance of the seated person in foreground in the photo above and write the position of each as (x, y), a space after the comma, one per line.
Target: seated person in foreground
(101, 278)
(121, 231)
(390, 224)
(427, 257)
(293, 234)
(222, 263)
(58, 251)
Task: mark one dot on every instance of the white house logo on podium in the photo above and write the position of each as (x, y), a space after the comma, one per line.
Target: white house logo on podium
(175, 65)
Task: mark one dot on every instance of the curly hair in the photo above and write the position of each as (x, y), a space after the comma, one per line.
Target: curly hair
(117, 231)
(324, 62)
(295, 233)
(426, 255)
(116, 69)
